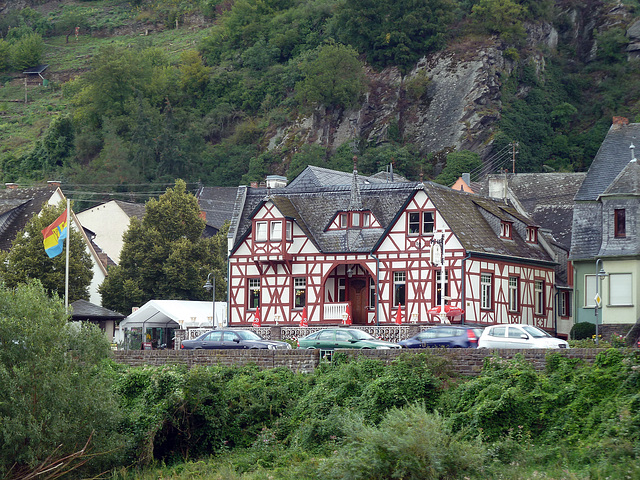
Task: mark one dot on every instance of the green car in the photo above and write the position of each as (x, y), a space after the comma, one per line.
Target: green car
(332, 338)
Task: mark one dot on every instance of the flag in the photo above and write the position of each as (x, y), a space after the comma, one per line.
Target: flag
(347, 316)
(303, 320)
(256, 318)
(399, 315)
(54, 236)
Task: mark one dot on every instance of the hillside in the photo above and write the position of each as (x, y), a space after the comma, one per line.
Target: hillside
(225, 92)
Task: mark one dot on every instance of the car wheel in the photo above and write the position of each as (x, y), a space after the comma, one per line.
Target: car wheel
(311, 348)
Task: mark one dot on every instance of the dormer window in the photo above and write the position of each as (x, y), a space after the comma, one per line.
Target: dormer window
(366, 219)
(344, 220)
(505, 230)
(276, 231)
(289, 231)
(532, 235)
(355, 219)
(261, 231)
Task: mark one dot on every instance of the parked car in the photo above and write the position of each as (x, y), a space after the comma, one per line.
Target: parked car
(232, 338)
(332, 338)
(518, 336)
(450, 336)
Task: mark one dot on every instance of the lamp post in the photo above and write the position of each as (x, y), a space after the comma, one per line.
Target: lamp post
(211, 285)
(599, 273)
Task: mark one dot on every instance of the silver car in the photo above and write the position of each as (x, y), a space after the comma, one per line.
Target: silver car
(518, 336)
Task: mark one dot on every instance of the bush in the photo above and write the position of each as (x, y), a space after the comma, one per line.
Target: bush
(582, 330)
(409, 443)
(27, 52)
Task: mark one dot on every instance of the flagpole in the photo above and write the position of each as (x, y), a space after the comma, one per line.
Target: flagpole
(66, 273)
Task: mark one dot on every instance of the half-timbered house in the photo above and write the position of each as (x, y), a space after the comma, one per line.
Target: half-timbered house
(332, 245)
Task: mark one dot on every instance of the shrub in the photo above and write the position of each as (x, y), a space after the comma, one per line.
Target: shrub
(582, 330)
(409, 443)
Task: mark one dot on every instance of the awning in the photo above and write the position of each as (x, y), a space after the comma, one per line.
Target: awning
(175, 314)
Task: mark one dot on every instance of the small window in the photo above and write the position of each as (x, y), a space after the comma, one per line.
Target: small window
(299, 292)
(532, 235)
(428, 222)
(366, 219)
(399, 288)
(355, 219)
(486, 291)
(254, 293)
(342, 291)
(620, 291)
(564, 304)
(372, 292)
(539, 297)
(414, 223)
(514, 304)
(289, 231)
(505, 230)
(276, 231)
(620, 222)
(261, 231)
(343, 220)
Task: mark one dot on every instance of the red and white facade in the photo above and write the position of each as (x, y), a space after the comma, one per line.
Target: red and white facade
(280, 266)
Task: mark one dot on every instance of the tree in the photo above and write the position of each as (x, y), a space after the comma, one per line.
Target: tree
(165, 256)
(457, 164)
(394, 32)
(502, 17)
(56, 389)
(333, 76)
(27, 259)
(27, 52)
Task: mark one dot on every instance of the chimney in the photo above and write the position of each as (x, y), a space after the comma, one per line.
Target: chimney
(54, 183)
(466, 178)
(11, 185)
(620, 121)
(254, 184)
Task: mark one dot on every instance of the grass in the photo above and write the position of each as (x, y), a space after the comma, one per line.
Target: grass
(22, 124)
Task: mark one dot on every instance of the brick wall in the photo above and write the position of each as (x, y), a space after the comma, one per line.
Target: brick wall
(463, 361)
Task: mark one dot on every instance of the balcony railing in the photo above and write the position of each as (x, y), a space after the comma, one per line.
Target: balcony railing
(335, 311)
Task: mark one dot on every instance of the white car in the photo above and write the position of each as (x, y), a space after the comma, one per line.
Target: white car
(518, 336)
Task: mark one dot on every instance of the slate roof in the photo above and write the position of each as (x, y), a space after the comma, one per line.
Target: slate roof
(627, 182)
(547, 198)
(316, 206)
(17, 206)
(132, 209)
(613, 156)
(84, 310)
(217, 203)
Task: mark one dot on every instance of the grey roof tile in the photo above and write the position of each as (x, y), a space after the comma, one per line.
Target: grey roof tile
(17, 206)
(217, 203)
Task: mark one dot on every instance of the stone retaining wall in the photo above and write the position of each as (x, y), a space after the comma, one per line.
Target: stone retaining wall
(467, 362)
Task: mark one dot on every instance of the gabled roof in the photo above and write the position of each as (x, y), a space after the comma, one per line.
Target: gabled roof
(132, 209)
(217, 203)
(313, 208)
(84, 310)
(316, 177)
(627, 182)
(612, 157)
(17, 206)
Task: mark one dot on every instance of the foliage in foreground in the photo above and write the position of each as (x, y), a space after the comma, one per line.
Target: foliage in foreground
(56, 385)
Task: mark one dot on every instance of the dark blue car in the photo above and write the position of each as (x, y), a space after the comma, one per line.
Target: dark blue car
(448, 336)
(232, 338)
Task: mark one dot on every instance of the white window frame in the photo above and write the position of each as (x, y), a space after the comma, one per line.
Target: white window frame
(261, 231)
(355, 219)
(366, 219)
(413, 223)
(253, 285)
(344, 220)
(621, 289)
(289, 227)
(539, 297)
(299, 292)
(486, 291)
(514, 294)
(275, 234)
(431, 216)
(589, 291)
(399, 284)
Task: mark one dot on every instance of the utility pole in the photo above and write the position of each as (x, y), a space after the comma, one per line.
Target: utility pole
(514, 145)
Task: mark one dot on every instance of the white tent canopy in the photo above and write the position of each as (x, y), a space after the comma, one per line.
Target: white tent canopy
(176, 314)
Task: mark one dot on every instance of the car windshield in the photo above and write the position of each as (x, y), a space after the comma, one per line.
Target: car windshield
(361, 335)
(535, 332)
(248, 335)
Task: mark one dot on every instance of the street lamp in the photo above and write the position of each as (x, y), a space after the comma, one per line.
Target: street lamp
(211, 285)
(599, 273)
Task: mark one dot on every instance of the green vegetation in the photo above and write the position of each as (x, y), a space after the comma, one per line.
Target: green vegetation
(165, 256)
(196, 89)
(27, 259)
